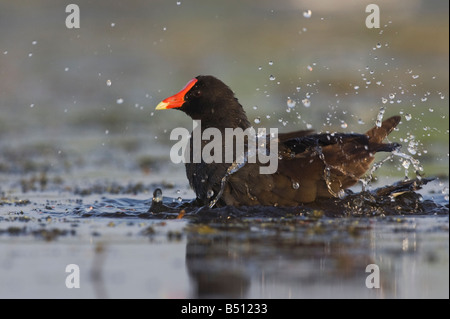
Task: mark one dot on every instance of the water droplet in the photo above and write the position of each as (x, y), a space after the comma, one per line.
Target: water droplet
(32, 105)
(344, 125)
(378, 45)
(157, 195)
(408, 117)
(415, 77)
(309, 68)
(255, 107)
(424, 99)
(295, 185)
(380, 117)
(107, 132)
(392, 96)
(431, 110)
(257, 120)
(260, 68)
(406, 164)
(360, 121)
(113, 24)
(119, 101)
(108, 82)
(179, 199)
(5, 52)
(30, 55)
(307, 14)
(308, 126)
(291, 103)
(411, 149)
(270, 62)
(209, 193)
(178, 3)
(306, 102)
(384, 100)
(164, 28)
(356, 87)
(271, 78)
(298, 88)
(34, 42)
(66, 69)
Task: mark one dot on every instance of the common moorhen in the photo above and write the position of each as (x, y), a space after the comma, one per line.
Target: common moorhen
(309, 166)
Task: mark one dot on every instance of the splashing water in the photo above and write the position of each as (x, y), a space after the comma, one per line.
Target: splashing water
(243, 159)
(414, 162)
(291, 103)
(306, 102)
(369, 176)
(327, 174)
(233, 168)
(157, 196)
(380, 115)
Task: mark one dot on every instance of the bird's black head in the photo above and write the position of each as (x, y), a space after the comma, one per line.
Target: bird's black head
(208, 99)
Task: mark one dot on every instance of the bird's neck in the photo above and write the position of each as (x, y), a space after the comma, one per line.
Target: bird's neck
(224, 116)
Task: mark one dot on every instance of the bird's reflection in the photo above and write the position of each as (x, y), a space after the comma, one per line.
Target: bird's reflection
(217, 271)
(282, 259)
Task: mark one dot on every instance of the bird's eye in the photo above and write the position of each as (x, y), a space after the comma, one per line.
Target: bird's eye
(196, 93)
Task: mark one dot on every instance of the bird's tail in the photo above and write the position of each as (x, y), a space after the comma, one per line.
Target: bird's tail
(378, 133)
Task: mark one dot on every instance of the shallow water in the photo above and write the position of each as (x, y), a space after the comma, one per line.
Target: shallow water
(123, 250)
(82, 150)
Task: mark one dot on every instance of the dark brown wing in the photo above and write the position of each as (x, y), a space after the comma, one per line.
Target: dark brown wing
(312, 166)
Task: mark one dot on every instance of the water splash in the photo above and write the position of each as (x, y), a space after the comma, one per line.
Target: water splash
(365, 181)
(418, 168)
(233, 168)
(291, 103)
(380, 115)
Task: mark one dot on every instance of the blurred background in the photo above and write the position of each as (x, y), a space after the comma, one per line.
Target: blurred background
(83, 99)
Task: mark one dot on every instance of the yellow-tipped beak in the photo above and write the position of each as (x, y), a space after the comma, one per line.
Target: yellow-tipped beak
(162, 105)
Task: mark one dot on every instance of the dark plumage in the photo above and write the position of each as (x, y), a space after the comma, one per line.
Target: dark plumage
(310, 166)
